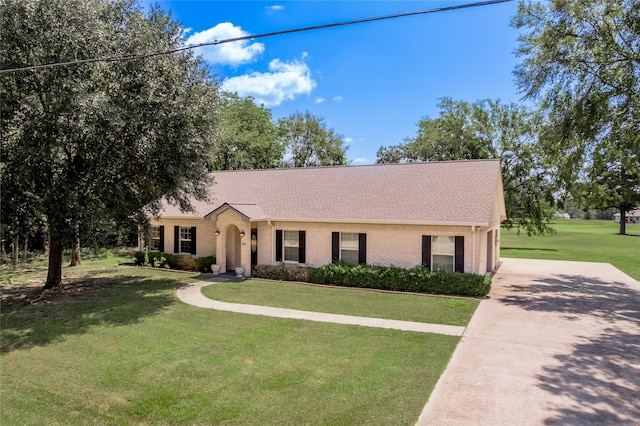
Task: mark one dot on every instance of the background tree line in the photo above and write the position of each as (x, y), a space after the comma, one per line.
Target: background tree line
(579, 141)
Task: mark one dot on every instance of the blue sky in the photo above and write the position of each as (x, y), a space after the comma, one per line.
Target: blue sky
(371, 82)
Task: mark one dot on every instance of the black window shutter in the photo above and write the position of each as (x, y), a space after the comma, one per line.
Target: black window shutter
(278, 245)
(362, 248)
(176, 239)
(161, 245)
(426, 251)
(193, 240)
(302, 247)
(335, 246)
(459, 266)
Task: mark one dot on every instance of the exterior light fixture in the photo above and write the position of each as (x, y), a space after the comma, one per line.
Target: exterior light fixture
(217, 233)
(242, 234)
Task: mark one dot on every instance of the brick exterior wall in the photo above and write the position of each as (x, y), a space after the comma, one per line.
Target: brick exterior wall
(397, 245)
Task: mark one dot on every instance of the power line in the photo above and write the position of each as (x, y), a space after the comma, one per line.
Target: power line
(249, 37)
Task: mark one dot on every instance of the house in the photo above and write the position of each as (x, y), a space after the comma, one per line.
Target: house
(443, 215)
(632, 216)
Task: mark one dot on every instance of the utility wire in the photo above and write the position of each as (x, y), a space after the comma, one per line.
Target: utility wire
(249, 37)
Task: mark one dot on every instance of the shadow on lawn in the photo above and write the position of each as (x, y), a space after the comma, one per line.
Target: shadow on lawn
(600, 375)
(31, 318)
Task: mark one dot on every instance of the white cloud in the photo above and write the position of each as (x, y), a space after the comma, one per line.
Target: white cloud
(275, 7)
(360, 160)
(285, 81)
(348, 140)
(233, 53)
(320, 100)
(337, 99)
(305, 55)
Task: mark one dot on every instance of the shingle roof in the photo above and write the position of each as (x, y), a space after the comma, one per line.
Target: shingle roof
(435, 192)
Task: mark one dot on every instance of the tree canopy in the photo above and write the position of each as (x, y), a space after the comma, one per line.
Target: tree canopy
(487, 129)
(581, 63)
(310, 142)
(247, 138)
(105, 138)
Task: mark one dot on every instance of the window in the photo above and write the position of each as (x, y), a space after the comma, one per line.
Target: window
(349, 247)
(185, 240)
(443, 252)
(291, 246)
(155, 239)
(443, 249)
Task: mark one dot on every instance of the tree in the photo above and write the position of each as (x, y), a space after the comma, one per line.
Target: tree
(487, 129)
(581, 63)
(309, 141)
(104, 139)
(248, 138)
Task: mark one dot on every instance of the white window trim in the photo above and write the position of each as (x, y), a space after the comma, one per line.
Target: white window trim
(452, 255)
(185, 239)
(357, 249)
(284, 246)
(153, 239)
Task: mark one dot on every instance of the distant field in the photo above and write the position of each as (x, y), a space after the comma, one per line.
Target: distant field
(581, 240)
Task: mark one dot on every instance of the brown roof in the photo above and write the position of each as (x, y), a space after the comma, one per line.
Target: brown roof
(451, 192)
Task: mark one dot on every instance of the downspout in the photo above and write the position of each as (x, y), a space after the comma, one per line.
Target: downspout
(473, 248)
(273, 241)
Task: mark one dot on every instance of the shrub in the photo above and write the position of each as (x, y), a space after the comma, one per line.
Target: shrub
(203, 264)
(418, 280)
(173, 261)
(281, 272)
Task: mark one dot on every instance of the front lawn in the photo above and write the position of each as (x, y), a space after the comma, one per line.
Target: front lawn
(405, 307)
(115, 346)
(582, 240)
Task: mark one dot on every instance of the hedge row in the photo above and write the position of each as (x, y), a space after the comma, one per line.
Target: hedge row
(172, 261)
(281, 273)
(417, 280)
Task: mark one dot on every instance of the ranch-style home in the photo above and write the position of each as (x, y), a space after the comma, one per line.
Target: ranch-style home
(443, 215)
(632, 216)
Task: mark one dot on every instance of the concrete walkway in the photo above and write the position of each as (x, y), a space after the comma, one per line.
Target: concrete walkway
(191, 294)
(557, 343)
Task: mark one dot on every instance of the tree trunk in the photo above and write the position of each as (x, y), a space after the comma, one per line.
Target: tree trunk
(54, 274)
(623, 222)
(26, 248)
(75, 254)
(15, 251)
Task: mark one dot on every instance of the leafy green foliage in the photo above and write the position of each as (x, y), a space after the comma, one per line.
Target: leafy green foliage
(417, 280)
(281, 273)
(486, 129)
(100, 140)
(248, 138)
(309, 141)
(581, 63)
(173, 261)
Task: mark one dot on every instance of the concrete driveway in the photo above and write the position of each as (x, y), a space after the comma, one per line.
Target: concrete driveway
(556, 343)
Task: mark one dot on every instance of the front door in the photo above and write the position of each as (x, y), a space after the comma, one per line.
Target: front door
(254, 248)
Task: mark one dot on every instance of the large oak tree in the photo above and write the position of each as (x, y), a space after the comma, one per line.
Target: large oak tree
(101, 139)
(581, 63)
(310, 142)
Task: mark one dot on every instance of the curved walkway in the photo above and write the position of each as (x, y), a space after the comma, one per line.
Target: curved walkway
(192, 295)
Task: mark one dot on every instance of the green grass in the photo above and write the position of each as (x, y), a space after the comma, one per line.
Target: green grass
(405, 307)
(581, 240)
(115, 346)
